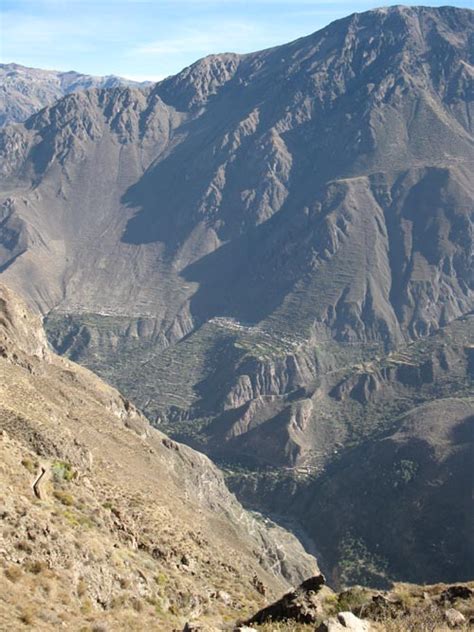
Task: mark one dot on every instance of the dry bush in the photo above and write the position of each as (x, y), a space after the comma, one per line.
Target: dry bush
(36, 566)
(27, 615)
(13, 573)
(64, 497)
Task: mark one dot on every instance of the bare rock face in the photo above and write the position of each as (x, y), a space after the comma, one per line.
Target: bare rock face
(24, 91)
(21, 331)
(271, 254)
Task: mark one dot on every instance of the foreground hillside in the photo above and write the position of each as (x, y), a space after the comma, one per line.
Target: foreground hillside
(107, 521)
(271, 255)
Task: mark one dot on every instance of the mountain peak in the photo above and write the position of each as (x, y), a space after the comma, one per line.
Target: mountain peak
(193, 86)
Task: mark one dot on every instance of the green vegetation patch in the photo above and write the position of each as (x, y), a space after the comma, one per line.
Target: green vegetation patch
(62, 471)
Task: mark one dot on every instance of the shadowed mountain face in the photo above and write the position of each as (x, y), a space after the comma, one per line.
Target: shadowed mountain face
(398, 505)
(422, 470)
(269, 253)
(24, 91)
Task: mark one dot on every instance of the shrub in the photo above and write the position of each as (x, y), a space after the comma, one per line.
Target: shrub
(64, 497)
(62, 471)
(24, 546)
(353, 599)
(29, 464)
(427, 620)
(81, 587)
(27, 616)
(36, 566)
(161, 579)
(137, 604)
(13, 573)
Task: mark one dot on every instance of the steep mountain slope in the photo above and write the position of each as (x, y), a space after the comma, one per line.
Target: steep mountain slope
(423, 471)
(398, 505)
(271, 254)
(105, 519)
(24, 91)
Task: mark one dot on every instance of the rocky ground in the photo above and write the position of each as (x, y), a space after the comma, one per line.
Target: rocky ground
(405, 608)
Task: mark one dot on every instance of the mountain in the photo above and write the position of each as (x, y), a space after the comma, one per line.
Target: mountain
(108, 520)
(408, 491)
(24, 91)
(271, 255)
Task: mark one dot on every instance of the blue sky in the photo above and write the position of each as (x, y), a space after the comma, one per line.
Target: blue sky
(150, 39)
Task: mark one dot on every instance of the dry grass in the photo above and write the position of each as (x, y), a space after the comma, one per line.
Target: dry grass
(428, 620)
(13, 573)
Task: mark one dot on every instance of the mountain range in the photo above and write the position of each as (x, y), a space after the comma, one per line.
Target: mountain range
(271, 256)
(24, 91)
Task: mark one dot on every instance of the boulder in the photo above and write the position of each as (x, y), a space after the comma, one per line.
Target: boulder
(344, 622)
(454, 618)
(456, 592)
(331, 625)
(351, 622)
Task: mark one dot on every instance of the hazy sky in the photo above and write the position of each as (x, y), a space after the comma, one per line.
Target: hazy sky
(149, 39)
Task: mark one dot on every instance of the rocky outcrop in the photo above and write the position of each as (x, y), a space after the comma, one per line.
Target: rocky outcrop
(404, 607)
(21, 331)
(195, 85)
(302, 605)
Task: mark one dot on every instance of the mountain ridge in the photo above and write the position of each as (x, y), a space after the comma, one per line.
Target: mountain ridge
(25, 90)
